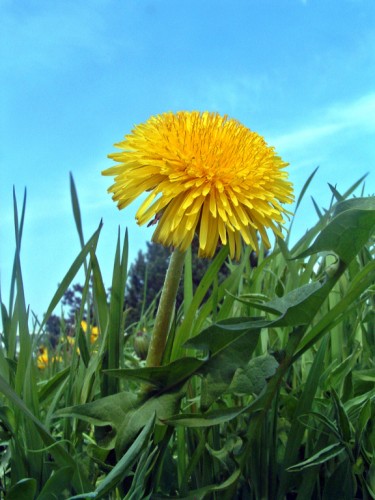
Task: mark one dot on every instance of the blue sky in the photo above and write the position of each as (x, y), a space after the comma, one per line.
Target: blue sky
(77, 75)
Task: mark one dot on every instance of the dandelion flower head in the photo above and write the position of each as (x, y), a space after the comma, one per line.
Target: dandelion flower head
(205, 174)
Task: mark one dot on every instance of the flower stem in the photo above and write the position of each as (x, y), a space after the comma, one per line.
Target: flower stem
(165, 309)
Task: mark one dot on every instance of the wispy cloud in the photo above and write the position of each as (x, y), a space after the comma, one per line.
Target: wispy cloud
(232, 94)
(356, 116)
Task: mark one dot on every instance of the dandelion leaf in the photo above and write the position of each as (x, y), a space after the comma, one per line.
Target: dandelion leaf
(351, 227)
(125, 413)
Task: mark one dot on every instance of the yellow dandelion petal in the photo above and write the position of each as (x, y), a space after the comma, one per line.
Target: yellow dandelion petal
(42, 359)
(205, 173)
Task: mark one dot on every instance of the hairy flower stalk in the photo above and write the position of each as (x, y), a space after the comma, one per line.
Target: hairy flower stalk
(206, 175)
(165, 309)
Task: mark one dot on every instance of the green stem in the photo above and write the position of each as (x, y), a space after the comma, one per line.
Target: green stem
(165, 309)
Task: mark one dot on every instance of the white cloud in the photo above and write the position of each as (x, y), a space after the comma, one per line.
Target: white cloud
(353, 117)
(233, 95)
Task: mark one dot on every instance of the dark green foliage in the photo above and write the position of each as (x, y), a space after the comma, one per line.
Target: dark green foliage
(266, 391)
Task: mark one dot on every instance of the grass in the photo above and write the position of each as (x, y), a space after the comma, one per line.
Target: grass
(266, 389)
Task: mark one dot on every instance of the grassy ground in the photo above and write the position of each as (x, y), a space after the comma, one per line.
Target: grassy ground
(266, 389)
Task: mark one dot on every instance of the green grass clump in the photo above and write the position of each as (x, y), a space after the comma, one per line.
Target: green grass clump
(266, 388)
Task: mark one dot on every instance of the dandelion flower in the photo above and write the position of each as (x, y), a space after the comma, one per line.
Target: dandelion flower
(42, 359)
(94, 331)
(205, 174)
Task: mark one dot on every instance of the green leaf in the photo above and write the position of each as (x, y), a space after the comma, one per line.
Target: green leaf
(68, 278)
(349, 230)
(340, 483)
(336, 194)
(304, 404)
(321, 457)
(62, 457)
(366, 203)
(124, 465)
(225, 455)
(230, 344)
(296, 307)
(25, 489)
(363, 419)
(342, 418)
(253, 378)
(207, 419)
(76, 210)
(51, 386)
(100, 296)
(201, 493)
(144, 468)
(357, 286)
(126, 413)
(299, 199)
(184, 330)
(55, 485)
(162, 377)
(116, 311)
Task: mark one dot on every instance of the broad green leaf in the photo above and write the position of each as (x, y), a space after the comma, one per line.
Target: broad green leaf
(348, 231)
(230, 344)
(59, 481)
(162, 377)
(25, 489)
(366, 203)
(359, 284)
(126, 413)
(296, 307)
(253, 378)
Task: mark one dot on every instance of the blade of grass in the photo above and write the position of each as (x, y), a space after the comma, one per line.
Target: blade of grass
(68, 278)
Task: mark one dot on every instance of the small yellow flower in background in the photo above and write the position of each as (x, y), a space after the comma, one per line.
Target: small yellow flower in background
(56, 359)
(94, 334)
(205, 173)
(70, 340)
(43, 359)
(94, 331)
